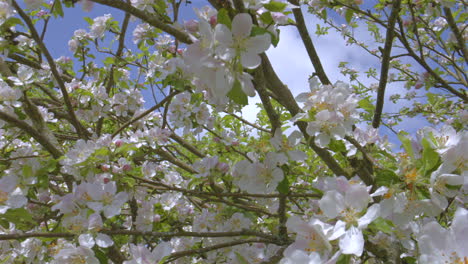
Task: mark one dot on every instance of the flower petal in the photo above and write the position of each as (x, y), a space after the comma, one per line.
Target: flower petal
(104, 240)
(86, 240)
(352, 242)
(250, 60)
(258, 44)
(242, 25)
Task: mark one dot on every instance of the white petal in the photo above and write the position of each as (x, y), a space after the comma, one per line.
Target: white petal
(258, 44)
(242, 25)
(372, 213)
(86, 240)
(223, 35)
(352, 242)
(357, 197)
(250, 60)
(104, 240)
(247, 85)
(332, 204)
(338, 230)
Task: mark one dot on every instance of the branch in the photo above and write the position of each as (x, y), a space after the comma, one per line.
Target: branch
(146, 17)
(180, 254)
(286, 99)
(309, 45)
(42, 139)
(244, 232)
(79, 128)
(456, 32)
(385, 63)
(144, 113)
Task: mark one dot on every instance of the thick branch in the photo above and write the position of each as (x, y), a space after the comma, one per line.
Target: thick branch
(146, 17)
(286, 99)
(385, 63)
(309, 45)
(42, 139)
(458, 36)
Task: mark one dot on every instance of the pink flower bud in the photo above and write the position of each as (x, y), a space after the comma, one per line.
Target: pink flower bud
(213, 20)
(118, 143)
(418, 84)
(126, 167)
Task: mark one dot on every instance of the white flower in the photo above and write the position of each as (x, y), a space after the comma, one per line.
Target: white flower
(142, 255)
(99, 26)
(439, 245)
(105, 199)
(10, 195)
(24, 76)
(238, 43)
(102, 240)
(71, 254)
(348, 208)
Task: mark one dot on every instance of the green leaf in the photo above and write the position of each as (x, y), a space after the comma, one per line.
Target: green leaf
(344, 259)
(89, 20)
(430, 158)
(266, 18)
(58, 10)
(367, 105)
(406, 142)
(237, 95)
(337, 145)
(274, 6)
(383, 225)
(283, 186)
(28, 171)
(21, 217)
(349, 15)
(386, 177)
(223, 18)
(241, 259)
(260, 31)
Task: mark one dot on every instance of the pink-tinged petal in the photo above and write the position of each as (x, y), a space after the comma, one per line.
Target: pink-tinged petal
(241, 25)
(332, 204)
(352, 242)
(372, 213)
(258, 44)
(223, 35)
(250, 60)
(357, 197)
(104, 240)
(86, 240)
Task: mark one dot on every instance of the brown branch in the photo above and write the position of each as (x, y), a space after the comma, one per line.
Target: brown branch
(458, 36)
(53, 67)
(146, 17)
(309, 45)
(42, 139)
(180, 254)
(286, 99)
(244, 232)
(385, 63)
(187, 145)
